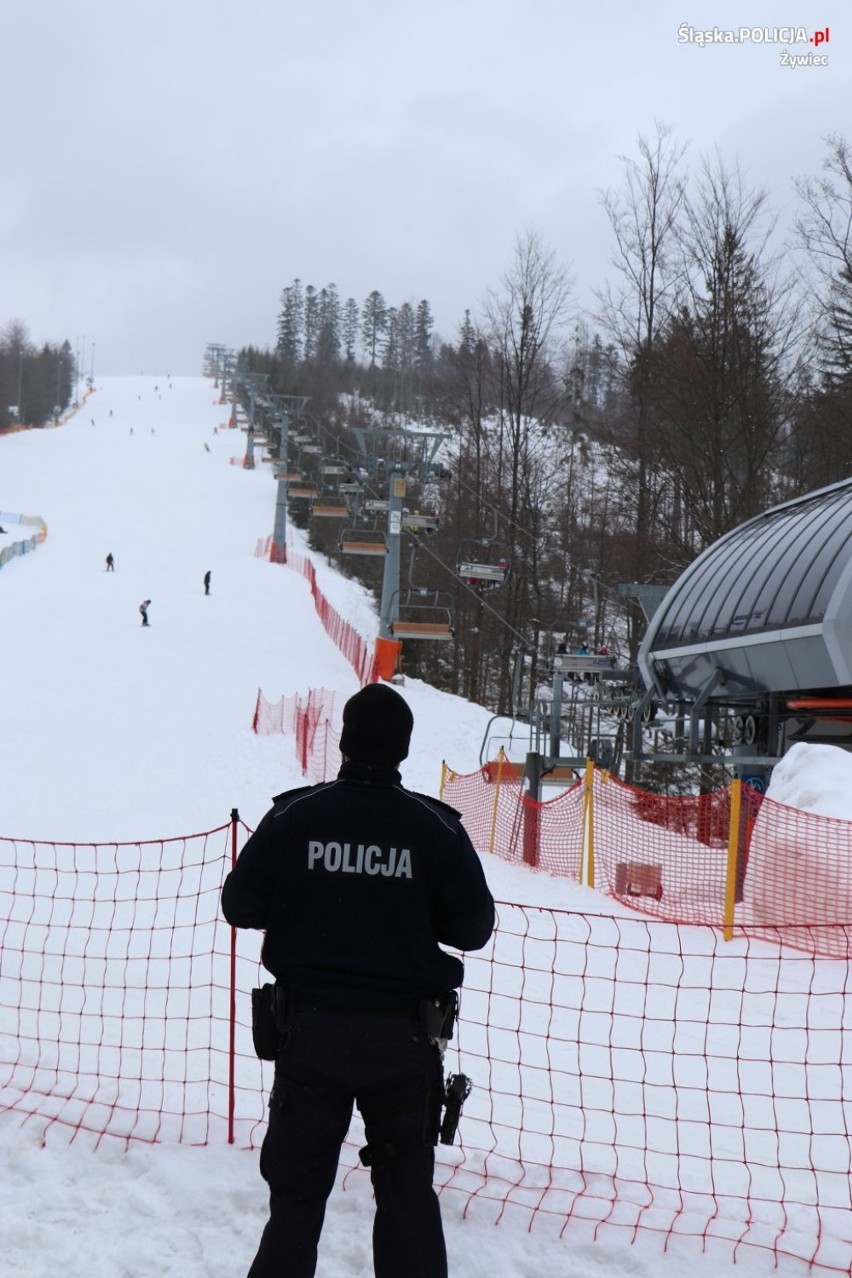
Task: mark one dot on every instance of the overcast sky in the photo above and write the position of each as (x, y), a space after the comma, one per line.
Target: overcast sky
(169, 165)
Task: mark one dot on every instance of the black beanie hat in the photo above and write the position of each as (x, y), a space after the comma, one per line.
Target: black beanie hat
(377, 726)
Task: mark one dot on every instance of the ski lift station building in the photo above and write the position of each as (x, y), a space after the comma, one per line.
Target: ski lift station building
(761, 622)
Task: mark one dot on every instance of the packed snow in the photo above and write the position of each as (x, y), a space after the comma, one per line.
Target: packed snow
(114, 731)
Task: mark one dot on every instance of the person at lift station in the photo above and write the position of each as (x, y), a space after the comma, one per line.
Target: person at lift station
(358, 883)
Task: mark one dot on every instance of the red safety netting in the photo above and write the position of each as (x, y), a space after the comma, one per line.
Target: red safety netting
(315, 721)
(672, 857)
(272, 717)
(665, 856)
(318, 727)
(490, 801)
(647, 1077)
(629, 1073)
(502, 819)
(115, 980)
(355, 649)
(796, 870)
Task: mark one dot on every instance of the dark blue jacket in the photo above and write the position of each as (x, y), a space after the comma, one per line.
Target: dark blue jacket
(357, 883)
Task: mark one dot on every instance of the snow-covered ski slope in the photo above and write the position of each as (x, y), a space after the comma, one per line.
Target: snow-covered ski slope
(112, 731)
(140, 733)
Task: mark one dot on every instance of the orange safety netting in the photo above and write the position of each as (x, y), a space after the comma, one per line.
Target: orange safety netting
(629, 1074)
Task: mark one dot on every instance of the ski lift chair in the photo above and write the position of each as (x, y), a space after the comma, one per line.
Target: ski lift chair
(363, 541)
(483, 562)
(418, 523)
(328, 505)
(423, 614)
(285, 471)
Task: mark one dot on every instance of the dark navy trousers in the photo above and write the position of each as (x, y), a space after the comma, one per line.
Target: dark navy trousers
(386, 1066)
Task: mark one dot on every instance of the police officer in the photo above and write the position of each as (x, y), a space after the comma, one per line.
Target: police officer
(358, 883)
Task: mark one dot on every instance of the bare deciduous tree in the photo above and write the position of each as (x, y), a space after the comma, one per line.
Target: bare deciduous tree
(824, 229)
(644, 216)
(526, 320)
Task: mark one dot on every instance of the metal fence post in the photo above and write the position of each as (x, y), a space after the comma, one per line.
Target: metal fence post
(733, 857)
(587, 859)
(232, 1011)
(501, 755)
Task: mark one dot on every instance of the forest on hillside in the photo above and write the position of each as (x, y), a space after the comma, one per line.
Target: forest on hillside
(37, 383)
(712, 379)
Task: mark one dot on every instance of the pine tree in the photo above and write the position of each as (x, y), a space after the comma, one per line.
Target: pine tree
(312, 321)
(423, 335)
(350, 328)
(373, 324)
(290, 321)
(328, 334)
(406, 337)
(390, 344)
(467, 336)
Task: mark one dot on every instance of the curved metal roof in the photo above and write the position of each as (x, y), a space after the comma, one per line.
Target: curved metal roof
(766, 607)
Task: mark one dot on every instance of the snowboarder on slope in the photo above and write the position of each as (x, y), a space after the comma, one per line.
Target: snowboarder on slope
(143, 608)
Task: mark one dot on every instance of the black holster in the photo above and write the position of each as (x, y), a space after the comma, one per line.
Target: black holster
(270, 1020)
(456, 1091)
(438, 1018)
